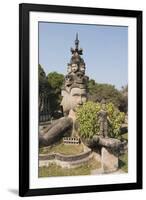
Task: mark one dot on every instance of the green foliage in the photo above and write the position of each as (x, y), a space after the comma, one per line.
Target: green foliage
(124, 99)
(42, 73)
(43, 83)
(97, 92)
(116, 119)
(50, 85)
(55, 81)
(88, 119)
(123, 162)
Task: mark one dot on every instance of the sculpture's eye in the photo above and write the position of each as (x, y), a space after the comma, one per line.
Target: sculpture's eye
(79, 75)
(68, 78)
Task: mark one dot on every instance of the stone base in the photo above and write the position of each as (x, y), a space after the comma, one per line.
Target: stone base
(109, 161)
(66, 161)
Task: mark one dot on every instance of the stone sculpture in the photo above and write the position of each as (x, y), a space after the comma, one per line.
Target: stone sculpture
(74, 93)
(103, 120)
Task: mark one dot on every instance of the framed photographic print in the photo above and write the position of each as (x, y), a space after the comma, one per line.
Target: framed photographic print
(80, 99)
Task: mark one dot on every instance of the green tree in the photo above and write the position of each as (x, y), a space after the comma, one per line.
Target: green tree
(55, 81)
(98, 91)
(42, 73)
(44, 92)
(43, 83)
(124, 99)
(88, 119)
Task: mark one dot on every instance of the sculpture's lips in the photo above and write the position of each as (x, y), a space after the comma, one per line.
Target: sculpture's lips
(78, 106)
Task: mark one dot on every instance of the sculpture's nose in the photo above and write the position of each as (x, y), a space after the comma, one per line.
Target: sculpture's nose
(80, 101)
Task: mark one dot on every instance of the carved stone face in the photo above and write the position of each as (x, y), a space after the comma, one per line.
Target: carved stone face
(74, 68)
(77, 97)
(79, 77)
(72, 100)
(68, 69)
(103, 106)
(68, 80)
(82, 69)
(65, 101)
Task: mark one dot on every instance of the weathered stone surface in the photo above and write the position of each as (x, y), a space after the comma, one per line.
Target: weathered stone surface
(68, 161)
(66, 164)
(62, 157)
(56, 131)
(124, 128)
(103, 119)
(90, 142)
(109, 142)
(109, 161)
(45, 128)
(104, 142)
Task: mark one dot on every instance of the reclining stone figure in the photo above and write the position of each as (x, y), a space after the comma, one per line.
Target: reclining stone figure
(74, 93)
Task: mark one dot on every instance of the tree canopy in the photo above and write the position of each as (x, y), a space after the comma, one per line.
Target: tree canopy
(98, 91)
(124, 99)
(55, 80)
(43, 83)
(51, 86)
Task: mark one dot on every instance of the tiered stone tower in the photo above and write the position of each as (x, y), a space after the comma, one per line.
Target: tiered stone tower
(75, 69)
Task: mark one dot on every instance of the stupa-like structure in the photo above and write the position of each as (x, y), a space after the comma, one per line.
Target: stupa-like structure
(74, 89)
(75, 70)
(74, 93)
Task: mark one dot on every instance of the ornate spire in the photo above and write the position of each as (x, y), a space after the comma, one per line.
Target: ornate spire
(76, 42)
(77, 50)
(76, 69)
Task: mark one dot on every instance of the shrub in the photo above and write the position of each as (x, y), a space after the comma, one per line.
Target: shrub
(88, 119)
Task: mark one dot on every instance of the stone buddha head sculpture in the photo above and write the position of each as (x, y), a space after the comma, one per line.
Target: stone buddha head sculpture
(74, 90)
(73, 98)
(68, 80)
(82, 68)
(74, 67)
(78, 96)
(69, 69)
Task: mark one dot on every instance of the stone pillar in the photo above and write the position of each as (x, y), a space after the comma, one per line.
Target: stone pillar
(109, 161)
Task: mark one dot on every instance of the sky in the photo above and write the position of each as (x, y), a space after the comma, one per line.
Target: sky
(105, 50)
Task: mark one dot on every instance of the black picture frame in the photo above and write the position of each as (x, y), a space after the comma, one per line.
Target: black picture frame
(24, 106)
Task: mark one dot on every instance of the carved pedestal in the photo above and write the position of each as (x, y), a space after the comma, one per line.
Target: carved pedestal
(109, 161)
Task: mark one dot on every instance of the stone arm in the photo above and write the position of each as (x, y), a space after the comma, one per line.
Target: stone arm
(98, 113)
(108, 119)
(98, 116)
(103, 142)
(55, 132)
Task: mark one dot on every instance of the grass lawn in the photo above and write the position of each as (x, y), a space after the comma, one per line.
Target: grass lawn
(125, 136)
(123, 159)
(123, 162)
(54, 170)
(62, 148)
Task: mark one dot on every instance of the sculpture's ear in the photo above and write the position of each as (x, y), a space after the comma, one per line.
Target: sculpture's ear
(64, 93)
(65, 101)
(87, 96)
